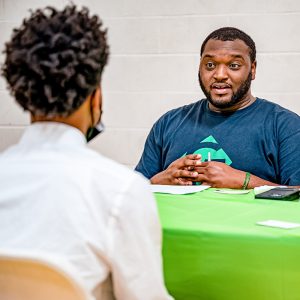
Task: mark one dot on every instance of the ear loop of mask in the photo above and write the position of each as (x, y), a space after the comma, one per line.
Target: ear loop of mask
(91, 107)
(93, 131)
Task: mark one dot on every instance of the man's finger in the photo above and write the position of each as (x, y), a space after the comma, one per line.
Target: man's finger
(201, 168)
(190, 168)
(185, 174)
(189, 160)
(200, 178)
(184, 181)
(192, 163)
(193, 156)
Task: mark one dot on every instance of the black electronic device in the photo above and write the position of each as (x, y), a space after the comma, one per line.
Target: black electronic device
(285, 194)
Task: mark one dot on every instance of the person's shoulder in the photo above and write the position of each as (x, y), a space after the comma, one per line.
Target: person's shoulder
(108, 168)
(275, 108)
(185, 108)
(116, 178)
(286, 121)
(111, 186)
(6, 153)
(103, 162)
(174, 113)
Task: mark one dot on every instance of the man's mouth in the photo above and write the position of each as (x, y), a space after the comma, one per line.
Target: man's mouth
(220, 88)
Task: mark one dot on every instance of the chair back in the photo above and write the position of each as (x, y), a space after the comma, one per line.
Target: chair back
(27, 277)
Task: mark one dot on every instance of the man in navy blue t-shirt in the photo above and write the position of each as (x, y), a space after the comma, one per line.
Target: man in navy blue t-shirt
(230, 139)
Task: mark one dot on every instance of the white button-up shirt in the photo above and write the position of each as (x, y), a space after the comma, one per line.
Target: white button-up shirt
(58, 196)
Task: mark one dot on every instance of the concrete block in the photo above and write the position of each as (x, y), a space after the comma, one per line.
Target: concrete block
(122, 145)
(104, 8)
(277, 73)
(152, 73)
(133, 36)
(186, 34)
(10, 112)
(280, 31)
(141, 110)
(252, 7)
(203, 7)
(9, 136)
(16, 10)
(1, 9)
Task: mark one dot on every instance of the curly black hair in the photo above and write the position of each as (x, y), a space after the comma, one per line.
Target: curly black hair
(232, 34)
(55, 60)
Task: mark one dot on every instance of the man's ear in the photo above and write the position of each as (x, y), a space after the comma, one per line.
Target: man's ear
(253, 70)
(95, 105)
(96, 99)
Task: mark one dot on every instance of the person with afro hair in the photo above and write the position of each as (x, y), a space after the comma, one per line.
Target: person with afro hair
(58, 197)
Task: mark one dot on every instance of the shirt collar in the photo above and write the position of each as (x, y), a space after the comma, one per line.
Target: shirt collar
(40, 133)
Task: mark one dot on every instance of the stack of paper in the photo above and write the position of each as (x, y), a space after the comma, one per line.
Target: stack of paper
(178, 189)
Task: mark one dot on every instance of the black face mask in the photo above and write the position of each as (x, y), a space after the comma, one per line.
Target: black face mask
(94, 131)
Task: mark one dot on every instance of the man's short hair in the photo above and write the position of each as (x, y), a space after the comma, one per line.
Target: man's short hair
(55, 60)
(232, 34)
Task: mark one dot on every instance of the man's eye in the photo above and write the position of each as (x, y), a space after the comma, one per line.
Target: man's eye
(210, 65)
(234, 66)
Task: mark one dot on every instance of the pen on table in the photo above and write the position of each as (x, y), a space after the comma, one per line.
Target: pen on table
(208, 157)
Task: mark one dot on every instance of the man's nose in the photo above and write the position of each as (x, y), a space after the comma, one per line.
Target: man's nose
(220, 73)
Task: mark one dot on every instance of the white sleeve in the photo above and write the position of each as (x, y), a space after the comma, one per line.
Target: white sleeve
(135, 245)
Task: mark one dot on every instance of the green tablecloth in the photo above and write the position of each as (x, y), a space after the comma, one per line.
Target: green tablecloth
(213, 249)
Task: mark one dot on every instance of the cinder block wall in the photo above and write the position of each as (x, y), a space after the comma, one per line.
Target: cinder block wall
(154, 60)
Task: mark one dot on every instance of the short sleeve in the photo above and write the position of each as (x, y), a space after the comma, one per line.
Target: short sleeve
(289, 148)
(151, 160)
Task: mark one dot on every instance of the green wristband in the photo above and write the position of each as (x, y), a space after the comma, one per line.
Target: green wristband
(246, 181)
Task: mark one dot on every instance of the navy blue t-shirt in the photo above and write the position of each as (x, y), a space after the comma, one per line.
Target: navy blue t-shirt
(263, 139)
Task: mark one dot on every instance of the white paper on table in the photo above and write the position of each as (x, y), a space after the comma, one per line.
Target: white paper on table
(232, 192)
(178, 189)
(279, 224)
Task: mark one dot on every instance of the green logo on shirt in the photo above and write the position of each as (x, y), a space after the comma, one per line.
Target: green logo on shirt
(211, 147)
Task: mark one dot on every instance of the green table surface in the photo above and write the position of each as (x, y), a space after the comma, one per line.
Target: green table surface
(214, 250)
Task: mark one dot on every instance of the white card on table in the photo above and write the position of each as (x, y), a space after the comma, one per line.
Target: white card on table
(279, 224)
(232, 192)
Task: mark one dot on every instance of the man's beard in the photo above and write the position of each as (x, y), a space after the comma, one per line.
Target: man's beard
(236, 97)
